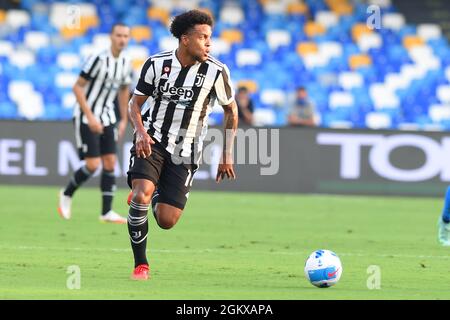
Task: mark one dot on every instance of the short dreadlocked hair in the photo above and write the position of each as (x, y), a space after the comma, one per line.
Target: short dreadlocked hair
(184, 22)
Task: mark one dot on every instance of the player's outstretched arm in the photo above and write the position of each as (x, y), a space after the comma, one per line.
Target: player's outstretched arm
(230, 126)
(143, 140)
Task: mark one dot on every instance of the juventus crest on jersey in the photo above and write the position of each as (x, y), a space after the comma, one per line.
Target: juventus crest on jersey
(181, 99)
(105, 74)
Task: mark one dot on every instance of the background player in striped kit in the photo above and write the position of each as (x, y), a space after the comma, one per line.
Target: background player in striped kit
(104, 77)
(181, 86)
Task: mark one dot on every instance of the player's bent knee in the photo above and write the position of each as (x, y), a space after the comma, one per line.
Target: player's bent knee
(167, 217)
(166, 224)
(92, 167)
(92, 164)
(141, 196)
(142, 192)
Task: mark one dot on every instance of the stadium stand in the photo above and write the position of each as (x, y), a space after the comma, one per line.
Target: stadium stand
(395, 76)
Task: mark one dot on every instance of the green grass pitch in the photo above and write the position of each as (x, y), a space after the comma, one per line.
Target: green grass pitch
(226, 246)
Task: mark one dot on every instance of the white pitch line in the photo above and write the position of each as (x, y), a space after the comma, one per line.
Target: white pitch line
(215, 250)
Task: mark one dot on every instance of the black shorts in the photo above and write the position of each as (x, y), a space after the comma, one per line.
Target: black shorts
(94, 145)
(173, 181)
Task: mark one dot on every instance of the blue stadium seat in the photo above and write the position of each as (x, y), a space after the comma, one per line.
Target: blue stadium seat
(52, 112)
(8, 110)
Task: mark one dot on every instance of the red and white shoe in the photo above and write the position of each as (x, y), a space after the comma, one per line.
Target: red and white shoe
(141, 272)
(113, 217)
(64, 206)
(130, 195)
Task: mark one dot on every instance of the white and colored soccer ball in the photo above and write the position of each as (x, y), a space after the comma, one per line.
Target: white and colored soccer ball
(323, 268)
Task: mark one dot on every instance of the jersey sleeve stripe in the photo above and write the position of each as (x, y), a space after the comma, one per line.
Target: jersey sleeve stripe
(138, 93)
(145, 67)
(145, 88)
(226, 83)
(89, 74)
(142, 85)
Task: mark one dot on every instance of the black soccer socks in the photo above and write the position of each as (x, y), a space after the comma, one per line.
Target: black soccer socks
(108, 186)
(79, 177)
(138, 231)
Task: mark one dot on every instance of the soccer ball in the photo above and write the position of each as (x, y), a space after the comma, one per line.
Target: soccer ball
(323, 268)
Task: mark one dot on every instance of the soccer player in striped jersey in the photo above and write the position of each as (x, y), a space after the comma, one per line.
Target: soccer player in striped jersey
(180, 85)
(104, 77)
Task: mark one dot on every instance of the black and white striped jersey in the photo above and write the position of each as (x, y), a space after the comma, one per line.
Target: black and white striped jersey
(181, 99)
(105, 74)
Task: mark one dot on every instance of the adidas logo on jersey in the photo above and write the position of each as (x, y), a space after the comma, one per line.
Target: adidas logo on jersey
(181, 92)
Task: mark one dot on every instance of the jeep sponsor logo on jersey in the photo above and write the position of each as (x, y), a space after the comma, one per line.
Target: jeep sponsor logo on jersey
(183, 93)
